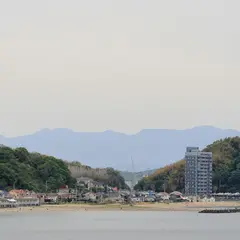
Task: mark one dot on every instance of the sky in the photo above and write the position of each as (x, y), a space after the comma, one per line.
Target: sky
(118, 65)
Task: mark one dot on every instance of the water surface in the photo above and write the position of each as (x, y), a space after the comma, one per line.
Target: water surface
(118, 225)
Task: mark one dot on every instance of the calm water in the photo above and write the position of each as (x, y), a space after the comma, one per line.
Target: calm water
(118, 225)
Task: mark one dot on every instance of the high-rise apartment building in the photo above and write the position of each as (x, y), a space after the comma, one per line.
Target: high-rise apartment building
(198, 172)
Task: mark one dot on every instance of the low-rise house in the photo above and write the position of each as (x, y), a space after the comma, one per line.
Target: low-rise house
(17, 193)
(226, 196)
(89, 183)
(178, 197)
(205, 199)
(5, 203)
(66, 197)
(85, 182)
(162, 196)
(63, 189)
(98, 185)
(91, 197)
(20, 193)
(51, 198)
(28, 201)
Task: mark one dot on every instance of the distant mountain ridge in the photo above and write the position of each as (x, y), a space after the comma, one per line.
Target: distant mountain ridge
(150, 148)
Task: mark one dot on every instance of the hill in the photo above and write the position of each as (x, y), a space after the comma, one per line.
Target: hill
(108, 176)
(34, 171)
(150, 148)
(128, 176)
(226, 170)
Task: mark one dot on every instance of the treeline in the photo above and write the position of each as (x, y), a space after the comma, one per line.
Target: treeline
(113, 178)
(21, 169)
(33, 171)
(226, 170)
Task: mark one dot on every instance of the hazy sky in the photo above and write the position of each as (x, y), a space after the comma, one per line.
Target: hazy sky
(123, 65)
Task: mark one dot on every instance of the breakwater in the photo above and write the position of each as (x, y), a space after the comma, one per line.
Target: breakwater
(224, 210)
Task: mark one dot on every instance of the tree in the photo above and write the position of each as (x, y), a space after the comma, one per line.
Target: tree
(226, 169)
(115, 179)
(21, 169)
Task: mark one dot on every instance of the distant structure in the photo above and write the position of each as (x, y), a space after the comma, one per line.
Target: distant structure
(198, 172)
(133, 176)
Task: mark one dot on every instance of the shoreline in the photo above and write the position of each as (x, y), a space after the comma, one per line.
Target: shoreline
(171, 207)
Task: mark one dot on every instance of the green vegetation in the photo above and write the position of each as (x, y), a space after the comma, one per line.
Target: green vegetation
(128, 176)
(21, 169)
(115, 179)
(226, 170)
(33, 171)
(75, 163)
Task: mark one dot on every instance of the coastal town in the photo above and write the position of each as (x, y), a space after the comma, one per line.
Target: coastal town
(86, 193)
(119, 120)
(198, 188)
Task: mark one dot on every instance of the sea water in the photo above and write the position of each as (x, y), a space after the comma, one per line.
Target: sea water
(118, 225)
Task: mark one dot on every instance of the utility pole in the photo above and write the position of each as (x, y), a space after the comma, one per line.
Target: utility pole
(133, 174)
(14, 184)
(164, 185)
(76, 193)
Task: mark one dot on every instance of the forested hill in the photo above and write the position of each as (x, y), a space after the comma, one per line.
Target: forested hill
(226, 170)
(128, 176)
(33, 171)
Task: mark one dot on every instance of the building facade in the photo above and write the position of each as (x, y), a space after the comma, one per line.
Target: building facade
(198, 172)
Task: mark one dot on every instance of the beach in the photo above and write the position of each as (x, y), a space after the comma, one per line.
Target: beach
(195, 206)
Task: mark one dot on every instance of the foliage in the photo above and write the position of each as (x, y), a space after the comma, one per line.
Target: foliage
(226, 170)
(75, 164)
(128, 176)
(32, 171)
(111, 176)
(115, 179)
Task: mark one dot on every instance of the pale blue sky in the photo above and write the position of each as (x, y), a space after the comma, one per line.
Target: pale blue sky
(121, 65)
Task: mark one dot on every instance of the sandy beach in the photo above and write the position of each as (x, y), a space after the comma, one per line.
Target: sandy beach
(114, 207)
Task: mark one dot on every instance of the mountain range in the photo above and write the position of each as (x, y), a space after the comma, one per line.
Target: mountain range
(149, 148)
